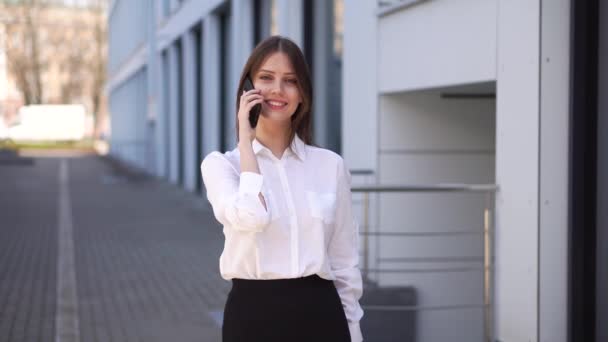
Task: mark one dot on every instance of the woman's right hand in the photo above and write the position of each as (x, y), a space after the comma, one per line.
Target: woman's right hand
(248, 100)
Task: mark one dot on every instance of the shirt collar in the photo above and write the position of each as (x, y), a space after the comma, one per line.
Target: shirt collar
(297, 147)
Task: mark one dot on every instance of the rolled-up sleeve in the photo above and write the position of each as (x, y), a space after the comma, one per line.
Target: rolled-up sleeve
(234, 197)
(344, 255)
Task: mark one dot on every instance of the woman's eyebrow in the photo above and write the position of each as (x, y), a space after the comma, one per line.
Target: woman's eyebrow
(272, 72)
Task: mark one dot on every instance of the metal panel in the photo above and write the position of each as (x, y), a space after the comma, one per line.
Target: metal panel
(554, 124)
(189, 128)
(517, 171)
(173, 112)
(211, 84)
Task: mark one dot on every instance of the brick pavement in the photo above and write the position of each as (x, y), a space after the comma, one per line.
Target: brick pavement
(28, 250)
(146, 255)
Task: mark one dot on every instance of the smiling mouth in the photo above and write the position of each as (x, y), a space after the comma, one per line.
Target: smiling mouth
(276, 104)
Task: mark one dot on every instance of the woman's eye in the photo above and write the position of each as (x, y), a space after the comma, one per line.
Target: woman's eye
(294, 81)
(265, 77)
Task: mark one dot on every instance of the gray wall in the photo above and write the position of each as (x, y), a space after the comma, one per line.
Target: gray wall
(517, 170)
(427, 139)
(128, 124)
(553, 201)
(127, 32)
(129, 86)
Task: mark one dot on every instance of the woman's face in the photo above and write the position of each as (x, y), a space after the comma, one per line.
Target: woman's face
(279, 85)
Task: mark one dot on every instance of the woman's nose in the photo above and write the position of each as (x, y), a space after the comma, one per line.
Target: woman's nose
(277, 87)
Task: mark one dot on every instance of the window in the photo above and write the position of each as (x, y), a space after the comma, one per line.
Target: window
(323, 31)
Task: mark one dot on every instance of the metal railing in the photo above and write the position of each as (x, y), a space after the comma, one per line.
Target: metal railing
(487, 189)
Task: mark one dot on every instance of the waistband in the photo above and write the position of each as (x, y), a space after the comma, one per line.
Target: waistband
(308, 281)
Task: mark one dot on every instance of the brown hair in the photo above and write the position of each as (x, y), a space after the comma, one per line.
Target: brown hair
(301, 119)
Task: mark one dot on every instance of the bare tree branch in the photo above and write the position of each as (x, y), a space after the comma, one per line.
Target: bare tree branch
(50, 42)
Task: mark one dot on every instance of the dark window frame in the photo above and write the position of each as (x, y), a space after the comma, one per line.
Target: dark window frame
(583, 171)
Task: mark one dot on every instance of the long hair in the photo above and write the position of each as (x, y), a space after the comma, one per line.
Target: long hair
(301, 121)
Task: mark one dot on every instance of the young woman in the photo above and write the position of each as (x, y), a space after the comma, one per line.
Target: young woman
(291, 241)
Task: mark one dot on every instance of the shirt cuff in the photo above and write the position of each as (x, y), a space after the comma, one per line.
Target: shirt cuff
(250, 183)
(355, 332)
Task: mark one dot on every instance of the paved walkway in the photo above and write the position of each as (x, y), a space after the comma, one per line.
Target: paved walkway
(145, 255)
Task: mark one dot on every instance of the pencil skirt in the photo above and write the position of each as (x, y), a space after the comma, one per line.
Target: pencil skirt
(304, 309)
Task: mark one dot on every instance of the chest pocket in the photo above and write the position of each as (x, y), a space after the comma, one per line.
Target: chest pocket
(322, 205)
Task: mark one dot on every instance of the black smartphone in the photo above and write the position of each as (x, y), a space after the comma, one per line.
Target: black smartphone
(254, 114)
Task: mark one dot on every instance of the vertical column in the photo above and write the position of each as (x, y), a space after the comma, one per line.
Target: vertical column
(144, 137)
(189, 123)
(290, 21)
(227, 85)
(265, 19)
(152, 74)
(517, 170)
(159, 13)
(554, 133)
(242, 44)
(322, 11)
(162, 117)
(173, 114)
(602, 180)
(359, 86)
(173, 5)
(211, 84)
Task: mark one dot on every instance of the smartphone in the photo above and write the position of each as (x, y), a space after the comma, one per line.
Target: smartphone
(254, 114)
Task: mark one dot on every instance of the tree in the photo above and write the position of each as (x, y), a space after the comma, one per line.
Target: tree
(64, 46)
(99, 60)
(22, 50)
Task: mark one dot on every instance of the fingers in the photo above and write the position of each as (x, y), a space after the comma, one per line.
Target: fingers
(245, 100)
(254, 102)
(247, 96)
(247, 107)
(252, 98)
(248, 100)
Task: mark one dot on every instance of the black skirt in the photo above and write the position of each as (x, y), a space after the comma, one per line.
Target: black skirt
(287, 310)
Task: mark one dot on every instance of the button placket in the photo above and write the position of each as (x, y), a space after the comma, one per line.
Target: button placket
(292, 217)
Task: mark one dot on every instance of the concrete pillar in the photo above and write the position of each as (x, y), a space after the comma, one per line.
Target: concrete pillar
(153, 73)
(211, 85)
(359, 94)
(189, 111)
(517, 170)
(162, 118)
(173, 114)
(532, 139)
(242, 44)
(554, 175)
(290, 20)
(173, 6)
(159, 13)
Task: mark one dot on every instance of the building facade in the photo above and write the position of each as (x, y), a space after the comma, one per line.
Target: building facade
(411, 92)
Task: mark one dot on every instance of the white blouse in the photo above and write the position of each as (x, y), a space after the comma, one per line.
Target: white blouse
(308, 228)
